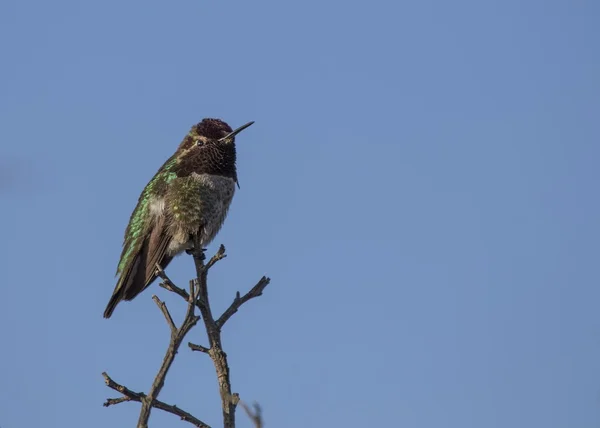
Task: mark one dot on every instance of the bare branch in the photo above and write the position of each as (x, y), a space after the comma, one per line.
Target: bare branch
(113, 401)
(216, 353)
(134, 396)
(163, 308)
(167, 284)
(177, 336)
(197, 297)
(256, 291)
(255, 416)
(220, 255)
(130, 395)
(200, 348)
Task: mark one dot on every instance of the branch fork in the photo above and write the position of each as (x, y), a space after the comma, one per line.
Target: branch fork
(197, 297)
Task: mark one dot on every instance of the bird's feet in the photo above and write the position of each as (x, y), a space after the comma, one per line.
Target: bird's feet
(193, 243)
(199, 254)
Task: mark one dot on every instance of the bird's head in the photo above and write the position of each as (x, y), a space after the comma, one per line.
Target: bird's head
(209, 148)
(211, 133)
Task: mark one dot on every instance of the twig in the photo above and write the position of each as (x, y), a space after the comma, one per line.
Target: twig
(229, 401)
(255, 416)
(130, 395)
(197, 297)
(215, 351)
(168, 284)
(113, 401)
(256, 291)
(200, 348)
(177, 335)
(133, 396)
(220, 255)
(163, 307)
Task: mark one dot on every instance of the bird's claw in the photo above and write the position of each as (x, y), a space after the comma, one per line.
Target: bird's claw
(193, 252)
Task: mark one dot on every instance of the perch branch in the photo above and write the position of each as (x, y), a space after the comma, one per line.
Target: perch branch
(229, 401)
(197, 297)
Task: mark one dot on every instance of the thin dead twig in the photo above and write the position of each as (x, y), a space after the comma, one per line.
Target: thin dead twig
(220, 255)
(200, 348)
(177, 335)
(254, 415)
(167, 284)
(256, 291)
(113, 401)
(130, 395)
(197, 297)
(163, 307)
(229, 400)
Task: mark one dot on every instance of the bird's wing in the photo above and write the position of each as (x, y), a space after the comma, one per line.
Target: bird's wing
(158, 242)
(144, 244)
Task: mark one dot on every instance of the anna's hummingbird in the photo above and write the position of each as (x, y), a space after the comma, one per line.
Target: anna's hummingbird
(186, 200)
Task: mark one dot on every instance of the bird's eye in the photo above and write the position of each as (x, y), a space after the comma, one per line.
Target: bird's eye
(199, 143)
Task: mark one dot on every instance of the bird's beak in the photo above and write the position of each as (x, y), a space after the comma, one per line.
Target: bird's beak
(237, 131)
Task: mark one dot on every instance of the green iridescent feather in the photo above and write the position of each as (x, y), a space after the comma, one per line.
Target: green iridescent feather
(139, 222)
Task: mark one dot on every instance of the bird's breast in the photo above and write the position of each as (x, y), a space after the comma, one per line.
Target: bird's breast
(198, 204)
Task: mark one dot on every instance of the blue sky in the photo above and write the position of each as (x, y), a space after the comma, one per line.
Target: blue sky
(420, 184)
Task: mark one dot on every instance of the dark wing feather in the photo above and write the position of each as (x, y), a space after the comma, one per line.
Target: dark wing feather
(141, 272)
(145, 243)
(129, 280)
(157, 251)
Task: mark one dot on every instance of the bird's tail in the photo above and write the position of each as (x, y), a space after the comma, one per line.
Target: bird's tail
(133, 281)
(141, 271)
(112, 304)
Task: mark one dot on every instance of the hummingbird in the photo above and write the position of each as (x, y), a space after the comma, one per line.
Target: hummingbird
(186, 201)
